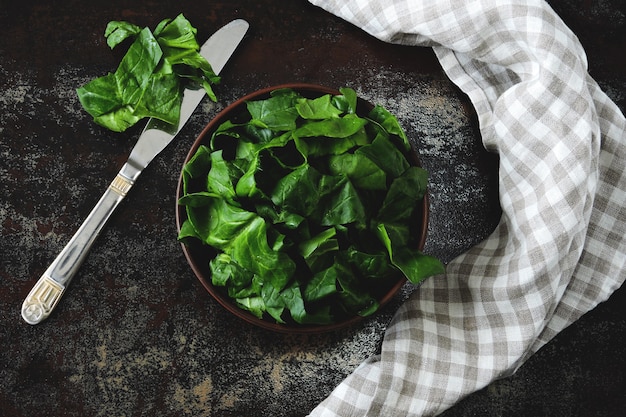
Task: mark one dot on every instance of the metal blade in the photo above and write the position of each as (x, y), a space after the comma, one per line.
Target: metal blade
(158, 134)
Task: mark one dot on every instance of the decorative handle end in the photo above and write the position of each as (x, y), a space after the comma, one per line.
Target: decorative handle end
(41, 300)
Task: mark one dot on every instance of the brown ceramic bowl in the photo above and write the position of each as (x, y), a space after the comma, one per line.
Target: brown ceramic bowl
(199, 256)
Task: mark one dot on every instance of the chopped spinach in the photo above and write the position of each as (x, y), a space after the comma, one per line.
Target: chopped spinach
(310, 208)
(151, 76)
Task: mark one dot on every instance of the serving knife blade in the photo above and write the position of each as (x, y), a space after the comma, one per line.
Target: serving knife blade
(47, 291)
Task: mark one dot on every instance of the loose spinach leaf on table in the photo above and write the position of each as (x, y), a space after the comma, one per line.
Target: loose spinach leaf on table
(310, 208)
(150, 77)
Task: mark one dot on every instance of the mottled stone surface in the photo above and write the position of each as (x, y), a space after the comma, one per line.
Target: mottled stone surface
(136, 334)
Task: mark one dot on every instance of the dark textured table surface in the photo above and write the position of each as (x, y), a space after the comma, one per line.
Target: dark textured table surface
(136, 334)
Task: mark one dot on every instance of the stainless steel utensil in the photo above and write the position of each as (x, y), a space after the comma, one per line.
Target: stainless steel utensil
(155, 137)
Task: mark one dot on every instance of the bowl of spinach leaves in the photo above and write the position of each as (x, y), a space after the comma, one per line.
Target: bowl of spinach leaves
(303, 209)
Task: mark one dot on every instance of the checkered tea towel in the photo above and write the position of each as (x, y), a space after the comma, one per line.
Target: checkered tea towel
(560, 246)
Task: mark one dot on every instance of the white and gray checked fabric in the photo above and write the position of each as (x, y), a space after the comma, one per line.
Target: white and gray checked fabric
(560, 247)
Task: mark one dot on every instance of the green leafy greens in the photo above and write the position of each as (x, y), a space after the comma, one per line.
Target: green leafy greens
(309, 208)
(151, 76)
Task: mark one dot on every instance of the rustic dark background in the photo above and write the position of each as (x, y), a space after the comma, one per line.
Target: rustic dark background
(136, 334)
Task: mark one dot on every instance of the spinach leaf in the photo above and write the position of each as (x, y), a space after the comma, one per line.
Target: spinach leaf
(341, 206)
(198, 165)
(360, 169)
(253, 252)
(370, 265)
(112, 99)
(415, 265)
(298, 191)
(178, 34)
(319, 108)
(222, 176)
(117, 32)
(323, 242)
(218, 222)
(388, 157)
(319, 251)
(390, 124)
(255, 305)
(355, 298)
(322, 284)
(403, 195)
(332, 128)
(225, 271)
(276, 113)
(347, 101)
(150, 77)
(292, 299)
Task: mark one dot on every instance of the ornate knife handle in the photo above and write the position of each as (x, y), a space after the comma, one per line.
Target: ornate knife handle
(48, 290)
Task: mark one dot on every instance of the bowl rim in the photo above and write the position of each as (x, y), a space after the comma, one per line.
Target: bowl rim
(201, 275)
